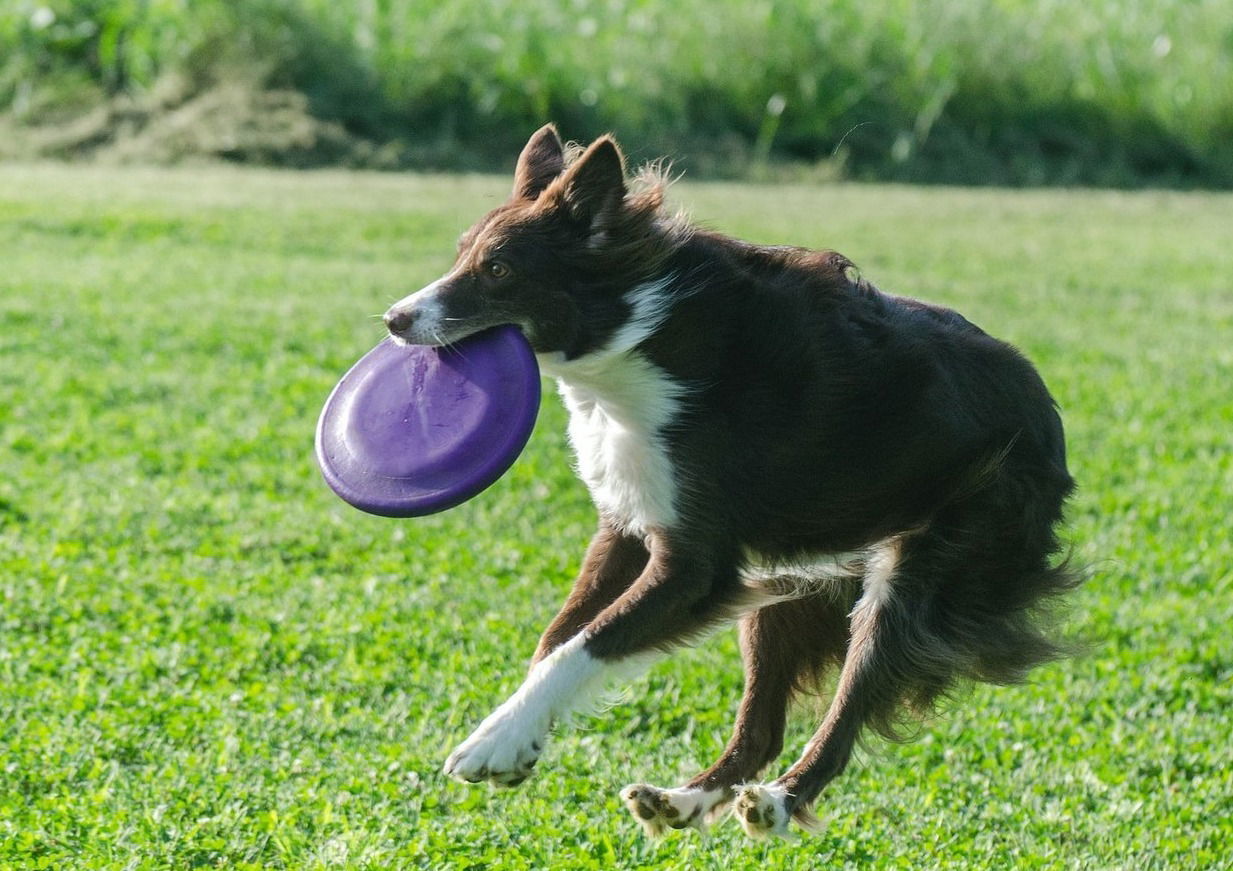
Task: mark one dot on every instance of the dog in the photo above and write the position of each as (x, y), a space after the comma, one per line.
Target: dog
(870, 485)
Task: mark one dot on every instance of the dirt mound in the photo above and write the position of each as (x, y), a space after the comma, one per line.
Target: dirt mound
(234, 121)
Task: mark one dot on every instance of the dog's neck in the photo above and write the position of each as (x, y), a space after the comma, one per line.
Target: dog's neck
(649, 304)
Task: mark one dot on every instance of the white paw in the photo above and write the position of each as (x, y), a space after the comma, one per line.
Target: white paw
(502, 750)
(658, 809)
(762, 809)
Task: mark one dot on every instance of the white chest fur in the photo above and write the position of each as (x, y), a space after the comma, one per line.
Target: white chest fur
(619, 405)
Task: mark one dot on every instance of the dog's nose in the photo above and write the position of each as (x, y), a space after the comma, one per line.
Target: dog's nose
(398, 321)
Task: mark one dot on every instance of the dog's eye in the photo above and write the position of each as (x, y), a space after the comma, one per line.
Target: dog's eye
(497, 269)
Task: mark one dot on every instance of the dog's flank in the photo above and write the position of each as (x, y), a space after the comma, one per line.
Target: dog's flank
(871, 484)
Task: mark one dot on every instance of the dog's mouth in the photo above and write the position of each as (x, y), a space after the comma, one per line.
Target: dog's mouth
(407, 338)
(399, 339)
(439, 316)
(441, 334)
(430, 340)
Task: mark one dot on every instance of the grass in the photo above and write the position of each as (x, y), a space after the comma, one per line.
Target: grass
(1110, 92)
(208, 660)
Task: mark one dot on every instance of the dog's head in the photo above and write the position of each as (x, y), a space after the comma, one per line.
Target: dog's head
(554, 260)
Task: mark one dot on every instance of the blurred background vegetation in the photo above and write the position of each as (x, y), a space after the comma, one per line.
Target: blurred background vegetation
(1107, 92)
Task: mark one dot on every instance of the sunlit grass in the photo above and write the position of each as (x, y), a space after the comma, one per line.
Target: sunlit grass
(209, 660)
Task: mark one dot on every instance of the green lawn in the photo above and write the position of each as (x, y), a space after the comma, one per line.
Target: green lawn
(208, 660)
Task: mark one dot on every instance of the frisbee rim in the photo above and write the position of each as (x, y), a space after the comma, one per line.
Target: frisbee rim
(515, 354)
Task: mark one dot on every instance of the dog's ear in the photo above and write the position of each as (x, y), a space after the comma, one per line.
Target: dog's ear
(542, 160)
(593, 188)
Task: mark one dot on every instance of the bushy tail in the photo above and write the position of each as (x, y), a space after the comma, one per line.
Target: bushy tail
(976, 598)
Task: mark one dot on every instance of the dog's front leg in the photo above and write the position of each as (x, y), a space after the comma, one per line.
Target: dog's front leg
(613, 561)
(682, 588)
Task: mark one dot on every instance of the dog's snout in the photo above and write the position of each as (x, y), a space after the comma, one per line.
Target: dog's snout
(399, 321)
(419, 319)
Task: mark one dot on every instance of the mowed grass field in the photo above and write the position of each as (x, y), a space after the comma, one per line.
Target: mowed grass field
(208, 660)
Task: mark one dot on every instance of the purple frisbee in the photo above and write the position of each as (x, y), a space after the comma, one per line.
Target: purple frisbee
(413, 430)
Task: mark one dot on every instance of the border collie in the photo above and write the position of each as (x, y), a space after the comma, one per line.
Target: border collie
(869, 484)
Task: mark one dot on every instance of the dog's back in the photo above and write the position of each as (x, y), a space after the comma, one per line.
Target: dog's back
(822, 414)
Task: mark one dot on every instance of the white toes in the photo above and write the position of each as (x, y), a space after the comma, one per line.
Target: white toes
(502, 750)
(658, 810)
(762, 809)
(506, 745)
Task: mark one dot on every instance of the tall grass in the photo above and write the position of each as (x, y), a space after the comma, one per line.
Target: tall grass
(1110, 91)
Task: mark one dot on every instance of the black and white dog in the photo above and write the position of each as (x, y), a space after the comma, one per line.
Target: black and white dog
(870, 484)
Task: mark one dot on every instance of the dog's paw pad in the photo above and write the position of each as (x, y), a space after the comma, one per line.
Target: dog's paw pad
(762, 809)
(657, 810)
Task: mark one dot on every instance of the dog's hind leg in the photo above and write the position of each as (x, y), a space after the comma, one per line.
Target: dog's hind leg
(784, 646)
(956, 600)
(867, 688)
